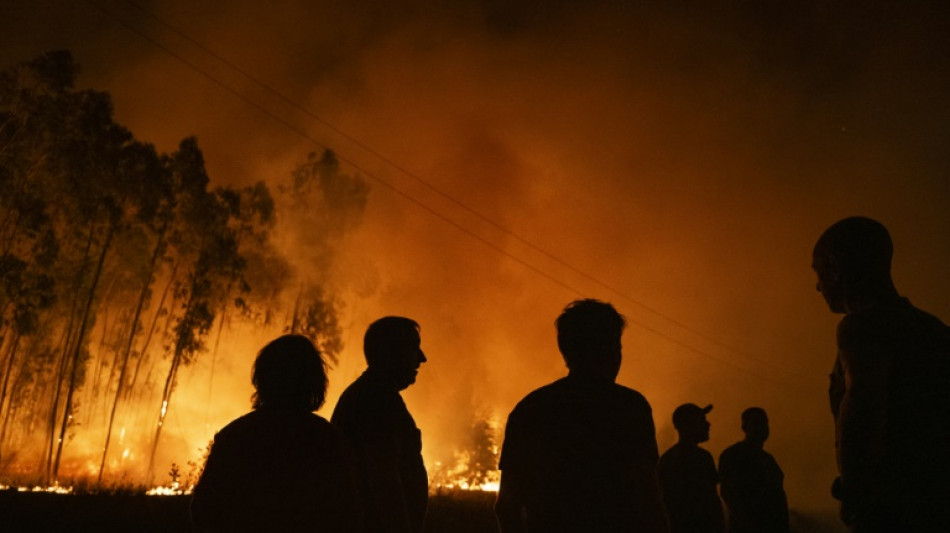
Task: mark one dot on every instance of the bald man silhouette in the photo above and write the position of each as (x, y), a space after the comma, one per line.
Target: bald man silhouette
(890, 388)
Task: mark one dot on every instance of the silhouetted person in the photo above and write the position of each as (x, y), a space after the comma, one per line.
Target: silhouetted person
(386, 443)
(752, 480)
(890, 388)
(688, 475)
(280, 467)
(580, 454)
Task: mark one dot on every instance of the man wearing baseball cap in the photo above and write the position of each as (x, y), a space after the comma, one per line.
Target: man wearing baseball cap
(688, 475)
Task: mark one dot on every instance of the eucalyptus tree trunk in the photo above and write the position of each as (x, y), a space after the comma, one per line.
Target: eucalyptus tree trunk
(170, 381)
(214, 357)
(67, 413)
(190, 327)
(61, 373)
(8, 364)
(143, 295)
(3, 393)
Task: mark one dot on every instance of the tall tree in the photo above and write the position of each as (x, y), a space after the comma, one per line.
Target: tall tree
(207, 243)
(320, 205)
(95, 223)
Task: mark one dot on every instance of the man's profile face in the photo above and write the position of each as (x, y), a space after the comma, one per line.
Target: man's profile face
(615, 358)
(696, 429)
(829, 284)
(757, 429)
(702, 429)
(407, 362)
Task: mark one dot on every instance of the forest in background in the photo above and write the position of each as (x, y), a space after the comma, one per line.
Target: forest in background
(119, 266)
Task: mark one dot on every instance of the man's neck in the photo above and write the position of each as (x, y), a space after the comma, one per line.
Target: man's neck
(590, 376)
(382, 378)
(866, 299)
(688, 443)
(754, 443)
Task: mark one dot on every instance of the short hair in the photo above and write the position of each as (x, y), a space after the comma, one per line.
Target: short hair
(862, 246)
(386, 336)
(754, 415)
(587, 327)
(289, 372)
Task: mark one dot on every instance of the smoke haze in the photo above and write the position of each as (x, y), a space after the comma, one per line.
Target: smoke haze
(677, 159)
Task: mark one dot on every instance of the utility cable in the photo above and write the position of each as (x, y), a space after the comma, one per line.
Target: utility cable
(224, 85)
(438, 191)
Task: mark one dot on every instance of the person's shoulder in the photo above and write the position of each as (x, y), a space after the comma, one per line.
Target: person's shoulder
(855, 322)
(321, 430)
(317, 422)
(565, 392)
(689, 454)
(890, 313)
(253, 427)
(671, 459)
(542, 401)
(356, 388)
(364, 394)
(733, 451)
(628, 394)
(367, 411)
(926, 321)
(670, 452)
(858, 331)
(625, 399)
(239, 425)
(539, 396)
(871, 329)
(705, 454)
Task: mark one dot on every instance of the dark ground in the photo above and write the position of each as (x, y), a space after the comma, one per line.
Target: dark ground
(40, 512)
(449, 512)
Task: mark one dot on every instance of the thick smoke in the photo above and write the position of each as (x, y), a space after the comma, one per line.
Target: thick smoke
(677, 159)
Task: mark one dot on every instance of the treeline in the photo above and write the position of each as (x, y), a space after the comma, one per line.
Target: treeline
(120, 265)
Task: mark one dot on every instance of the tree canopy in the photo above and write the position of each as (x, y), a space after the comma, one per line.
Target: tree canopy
(117, 262)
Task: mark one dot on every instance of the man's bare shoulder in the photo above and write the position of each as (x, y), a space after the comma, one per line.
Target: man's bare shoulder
(862, 339)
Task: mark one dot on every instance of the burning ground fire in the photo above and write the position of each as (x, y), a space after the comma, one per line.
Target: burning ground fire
(459, 478)
(171, 490)
(54, 489)
(472, 468)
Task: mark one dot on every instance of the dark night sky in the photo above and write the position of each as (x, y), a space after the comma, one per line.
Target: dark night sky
(678, 158)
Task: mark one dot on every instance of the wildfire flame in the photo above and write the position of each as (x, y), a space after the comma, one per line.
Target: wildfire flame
(473, 466)
(54, 489)
(172, 489)
(464, 476)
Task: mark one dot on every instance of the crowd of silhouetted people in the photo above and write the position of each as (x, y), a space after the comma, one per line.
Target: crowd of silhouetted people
(580, 454)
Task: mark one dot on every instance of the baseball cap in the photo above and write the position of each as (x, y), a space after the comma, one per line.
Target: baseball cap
(687, 412)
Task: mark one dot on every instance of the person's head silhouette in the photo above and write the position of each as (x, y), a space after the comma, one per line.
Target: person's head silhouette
(852, 259)
(690, 422)
(289, 373)
(392, 349)
(588, 336)
(755, 425)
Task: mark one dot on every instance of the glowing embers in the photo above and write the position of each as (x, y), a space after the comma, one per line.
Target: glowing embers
(53, 489)
(466, 474)
(475, 466)
(487, 486)
(172, 489)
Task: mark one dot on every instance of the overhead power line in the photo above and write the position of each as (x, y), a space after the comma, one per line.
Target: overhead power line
(436, 190)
